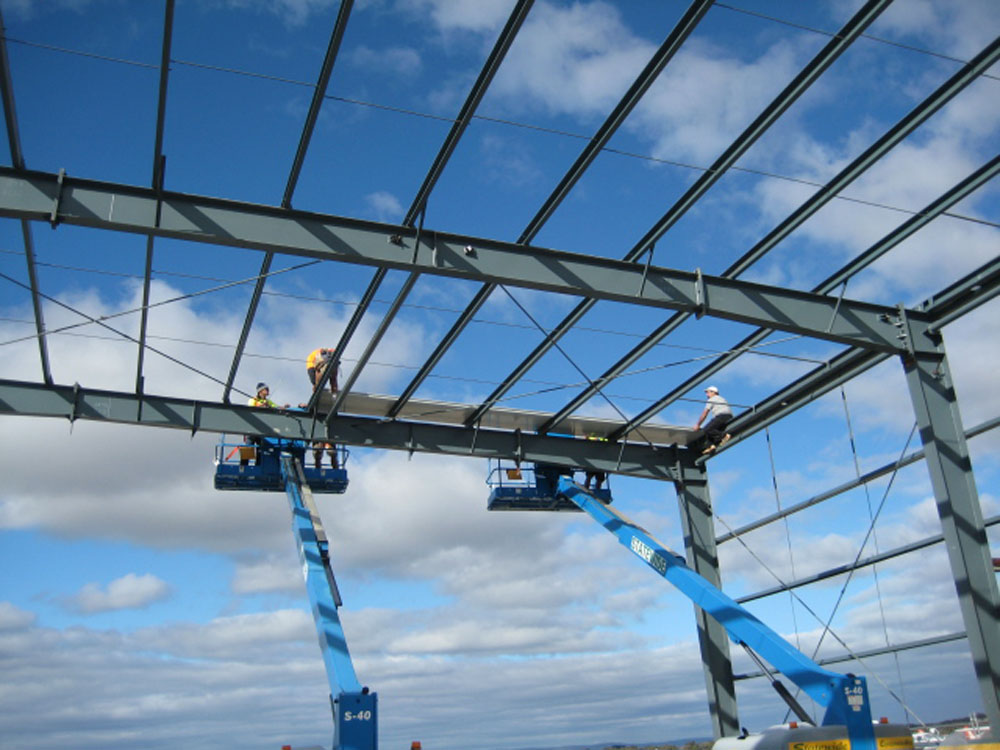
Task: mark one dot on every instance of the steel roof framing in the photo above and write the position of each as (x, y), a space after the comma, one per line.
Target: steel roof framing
(695, 12)
(418, 209)
(37, 195)
(806, 77)
(319, 95)
(159, 165)
(855, 169)
(17, 159)
(934, 209)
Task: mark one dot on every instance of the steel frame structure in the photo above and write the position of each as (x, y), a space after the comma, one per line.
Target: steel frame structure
(868, 333)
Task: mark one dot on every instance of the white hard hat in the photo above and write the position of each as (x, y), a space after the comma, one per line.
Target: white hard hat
(712, 388)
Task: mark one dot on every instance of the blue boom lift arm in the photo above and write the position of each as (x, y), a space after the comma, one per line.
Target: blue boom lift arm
(355, 708)
(845, 697)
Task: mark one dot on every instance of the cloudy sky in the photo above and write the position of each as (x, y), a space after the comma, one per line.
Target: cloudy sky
(140, 608)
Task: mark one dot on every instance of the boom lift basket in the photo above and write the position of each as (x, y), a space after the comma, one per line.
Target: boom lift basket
(256, 466)
(536, 487)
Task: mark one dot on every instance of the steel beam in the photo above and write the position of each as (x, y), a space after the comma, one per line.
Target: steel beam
(856, 565)
(419, 205)
(670, 46)
(159, 165)
(865, 478)
(319, 95)
(17, 159)
(806, 77)
(947, 457)
(930, 212)
(922, 643)
(699, 543)
(76, 402)
(32, 195)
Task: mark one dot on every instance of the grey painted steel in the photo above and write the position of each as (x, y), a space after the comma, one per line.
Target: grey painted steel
(863, 563)
(922, 643)
(806, 77)
(673, 41)
(419, 205)
(319, 95)
(17, 159)
(695, 505)
(972, 290)
(159, 165)
(444, 412)
(30, 195)
(369, 350)
(872, 475)
(77, 402)
(670, 46)
(947, 457)
(930, 212)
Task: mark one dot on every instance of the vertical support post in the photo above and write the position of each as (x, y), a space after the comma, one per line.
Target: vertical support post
(935, 405)
(702, 557)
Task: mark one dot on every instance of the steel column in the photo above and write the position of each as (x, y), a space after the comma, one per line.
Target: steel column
(947, 456)
(699, 543)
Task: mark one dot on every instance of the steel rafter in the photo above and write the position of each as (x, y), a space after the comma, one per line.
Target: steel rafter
(319, 95)
(671, 44)
(419, 206)
(932, 211)
(159, 164)
(806, 77)
(77, 402)
(866, 562)
(17, 159)
(864, 479)
(969, 292)
(32, 195)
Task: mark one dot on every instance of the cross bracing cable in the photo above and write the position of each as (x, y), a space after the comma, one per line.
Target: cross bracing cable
(827, 624)
(122, 334)
(871, 516)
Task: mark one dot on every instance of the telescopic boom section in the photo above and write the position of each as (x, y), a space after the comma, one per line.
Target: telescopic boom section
(355, 717)
(845, 697)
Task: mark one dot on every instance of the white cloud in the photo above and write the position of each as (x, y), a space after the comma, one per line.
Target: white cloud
(384, 206)
(14, 618)
(396, 61)
(131, 591)
(573, 59)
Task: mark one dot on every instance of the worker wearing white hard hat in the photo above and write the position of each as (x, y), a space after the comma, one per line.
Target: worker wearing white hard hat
(719, 414)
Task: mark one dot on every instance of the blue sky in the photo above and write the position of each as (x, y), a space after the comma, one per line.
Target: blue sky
(140, 608)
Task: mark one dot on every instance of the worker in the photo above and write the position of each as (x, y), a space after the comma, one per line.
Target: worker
(721, 414)
(317, 361)
(597, 477)
(318, 447)
(260, 400)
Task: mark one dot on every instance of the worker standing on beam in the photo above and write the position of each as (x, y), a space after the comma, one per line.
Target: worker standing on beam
(721, 415)
(316, 362)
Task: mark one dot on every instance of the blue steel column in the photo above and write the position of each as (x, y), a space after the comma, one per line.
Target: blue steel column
(947, 455)
(699, 543)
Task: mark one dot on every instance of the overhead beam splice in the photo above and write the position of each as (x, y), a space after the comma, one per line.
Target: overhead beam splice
(79, 403)
(30, 195)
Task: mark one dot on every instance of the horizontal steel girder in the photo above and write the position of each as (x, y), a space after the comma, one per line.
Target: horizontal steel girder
(40, 197)
(76, 402)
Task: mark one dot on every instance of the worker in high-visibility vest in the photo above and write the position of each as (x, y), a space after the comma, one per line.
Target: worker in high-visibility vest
(317, 361)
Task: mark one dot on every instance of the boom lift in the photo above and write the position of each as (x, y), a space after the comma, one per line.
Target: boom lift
(280, 467)
(847, 724)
